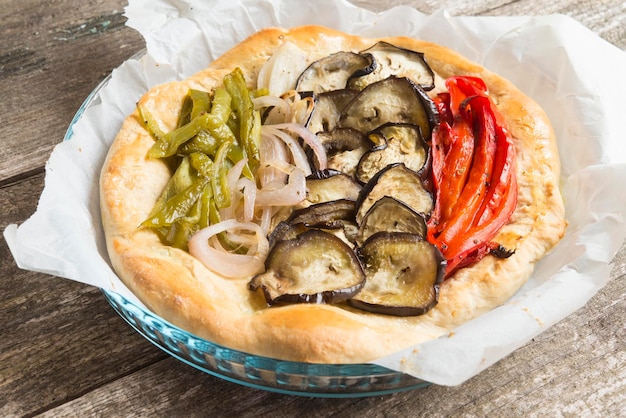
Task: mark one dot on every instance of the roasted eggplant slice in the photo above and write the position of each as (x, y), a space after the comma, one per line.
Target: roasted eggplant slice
(399, 182)
(403, 273)
(285, 231)
(344, 148)
(400, 62)
(333, 71)
(328, 185)
(402, 143)
(328, 109)
(391, 215)
(327, 215)
(391, 100)
(314, 267)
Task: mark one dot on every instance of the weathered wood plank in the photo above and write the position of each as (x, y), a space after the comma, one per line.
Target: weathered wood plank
(51, 56)
(59, 338)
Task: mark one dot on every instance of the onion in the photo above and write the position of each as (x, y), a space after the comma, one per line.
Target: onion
(302, 110)
(310, 139)
(281, 109)
(232, 179)
(297, 153)
(249, 198)
(266, 219)
(271, 148)
(228, 264)
(288, 194)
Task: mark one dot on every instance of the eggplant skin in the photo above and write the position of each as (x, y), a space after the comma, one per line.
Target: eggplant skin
(325, 214)
(313, 267)
(333, 71)
(403, 274)
(399, 182)
(391, 215)
(396, 61)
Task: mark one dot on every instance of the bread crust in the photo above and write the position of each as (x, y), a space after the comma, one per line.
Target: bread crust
(179, 288)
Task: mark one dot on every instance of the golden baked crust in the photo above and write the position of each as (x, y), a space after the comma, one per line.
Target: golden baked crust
(179, 288)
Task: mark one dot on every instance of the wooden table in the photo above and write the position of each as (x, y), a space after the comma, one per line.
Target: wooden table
(64, 352)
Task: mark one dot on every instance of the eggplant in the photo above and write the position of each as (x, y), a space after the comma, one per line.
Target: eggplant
(329, 215)
(333, 71)
(313, 267)
(401, 143)
(391, 100)
(396, 61)
(403, 274)
(399, 182)
(328, 185)
(391, 215)
(344, 148)
(328, 108)
(285, 231)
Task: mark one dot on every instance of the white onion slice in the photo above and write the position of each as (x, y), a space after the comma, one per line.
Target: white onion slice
(281, 111)
(249, 197)
(288, 194)
(266, 219)
(232, 178)
(271, 148)
(297, 152)
(310, 139)
(225, 263)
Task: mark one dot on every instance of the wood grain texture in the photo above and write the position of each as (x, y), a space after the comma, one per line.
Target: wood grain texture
(52, 55)
(64, 351)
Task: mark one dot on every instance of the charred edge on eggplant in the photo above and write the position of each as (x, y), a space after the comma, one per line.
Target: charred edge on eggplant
(403, 274)
(331, 185)
(397, 181)
(391, 215)
(344, 148)
(328, 108)
(313, 267)
(395, 61)
(399, 143)
(328, 215)
(390, 100)
(333, 71)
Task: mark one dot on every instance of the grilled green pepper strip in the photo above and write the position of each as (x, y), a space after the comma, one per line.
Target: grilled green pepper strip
(201, 101)
(214, 122)
(204, 142)
(185, 113)
(182, 178)
(221, 105)
(202, 163)
(249, 136)
(206, 200)
(183, 228)
(221, 192)
(150, 123)
(177, 206)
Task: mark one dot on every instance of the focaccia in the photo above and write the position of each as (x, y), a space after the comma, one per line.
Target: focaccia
(176, 286)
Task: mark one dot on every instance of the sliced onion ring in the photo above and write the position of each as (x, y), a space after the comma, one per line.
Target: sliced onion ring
(225, 263)
(310, 139)
(286, 195)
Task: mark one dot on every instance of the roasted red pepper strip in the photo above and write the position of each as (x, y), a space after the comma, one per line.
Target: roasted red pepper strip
(457, 163)
(442, 102)
(474, 191)
(463, 227)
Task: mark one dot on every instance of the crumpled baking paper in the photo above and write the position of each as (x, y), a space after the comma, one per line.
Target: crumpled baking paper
(576, 77)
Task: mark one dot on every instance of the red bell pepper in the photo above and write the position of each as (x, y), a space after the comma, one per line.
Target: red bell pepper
(473, 174)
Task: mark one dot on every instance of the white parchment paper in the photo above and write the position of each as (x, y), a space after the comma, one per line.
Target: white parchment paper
(577, 77)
